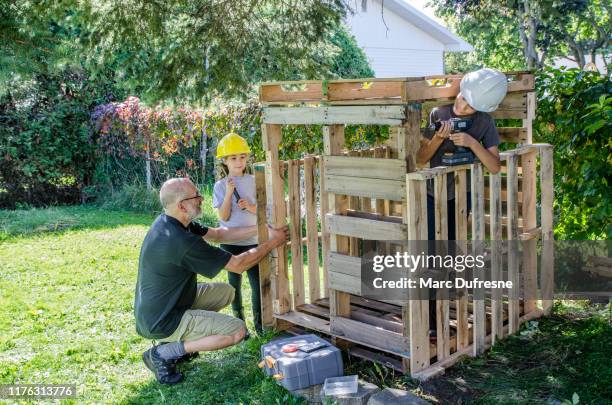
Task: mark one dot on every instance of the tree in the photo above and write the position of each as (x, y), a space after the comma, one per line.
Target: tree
(196, 50)
(544, 29)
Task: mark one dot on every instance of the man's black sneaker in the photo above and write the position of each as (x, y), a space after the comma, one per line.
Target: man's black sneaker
(164, 370)
(187, 357)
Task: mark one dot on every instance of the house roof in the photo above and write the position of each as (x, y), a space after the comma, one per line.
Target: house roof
(452, 42)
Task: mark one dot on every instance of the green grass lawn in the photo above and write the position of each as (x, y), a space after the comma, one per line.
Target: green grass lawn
(68, 277)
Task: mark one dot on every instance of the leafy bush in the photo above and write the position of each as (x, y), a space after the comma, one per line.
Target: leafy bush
(173, 141)
(574, 113)
(45, 154)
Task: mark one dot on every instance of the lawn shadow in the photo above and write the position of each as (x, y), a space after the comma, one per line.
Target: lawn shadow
(37, 221)
(229, 376)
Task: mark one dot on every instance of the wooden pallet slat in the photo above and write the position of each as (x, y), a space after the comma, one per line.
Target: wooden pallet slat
(364, 228)
(330, 115)
(365, 187)
(295, 215)
(365, 167)
(312, 235)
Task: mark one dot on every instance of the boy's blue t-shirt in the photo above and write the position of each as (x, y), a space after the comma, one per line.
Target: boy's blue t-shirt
(245, 185)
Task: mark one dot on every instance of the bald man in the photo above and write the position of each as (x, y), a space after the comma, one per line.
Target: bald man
(170, 306)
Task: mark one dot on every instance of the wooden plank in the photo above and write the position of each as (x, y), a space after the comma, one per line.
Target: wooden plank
(373, 216)
(418, 307)
(512, 135)
(530, 258)
(312, 237)
(305, 320)
(271, 136)
(366, 167)
(513, 263)
(265, 282)
(425, 90)
(508, 114)
(442, 305)
(295, 215)
(379, 204)
(528, 121)
(366, 90)
(344, 282)
(363, 187)
(344, 264)
(495, 208)
(371, 336)
(548, 259)
(364, 228)
(340, 302)
(330, 115)
(463, 335)
(478, 236)
(303, 91)
(376, 357)
(323, 209)
(354, 203)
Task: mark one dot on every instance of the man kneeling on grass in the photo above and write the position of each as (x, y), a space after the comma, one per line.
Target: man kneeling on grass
(170, 306)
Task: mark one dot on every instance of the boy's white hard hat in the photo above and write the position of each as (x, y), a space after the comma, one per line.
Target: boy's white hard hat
(484, 89)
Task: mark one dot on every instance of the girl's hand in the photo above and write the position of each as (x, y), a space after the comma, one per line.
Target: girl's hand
(244, 204)
(230, 186)
(462, 139)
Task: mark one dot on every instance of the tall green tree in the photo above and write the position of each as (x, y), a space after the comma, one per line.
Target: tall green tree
(539, 30)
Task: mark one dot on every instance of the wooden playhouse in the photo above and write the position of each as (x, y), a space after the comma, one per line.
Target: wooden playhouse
(379, 194)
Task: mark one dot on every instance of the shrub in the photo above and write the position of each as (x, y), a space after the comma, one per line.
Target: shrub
(574, 114)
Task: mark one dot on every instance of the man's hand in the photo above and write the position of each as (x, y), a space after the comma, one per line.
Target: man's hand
(462, 139)
(279, 236)
(444, 130)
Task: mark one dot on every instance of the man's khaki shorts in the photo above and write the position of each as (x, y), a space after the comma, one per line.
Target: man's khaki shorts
(203, 319)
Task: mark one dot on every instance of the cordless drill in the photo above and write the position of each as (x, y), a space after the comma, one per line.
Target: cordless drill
(461, 155)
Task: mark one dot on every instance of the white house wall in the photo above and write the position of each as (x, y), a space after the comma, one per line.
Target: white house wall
(399, 49)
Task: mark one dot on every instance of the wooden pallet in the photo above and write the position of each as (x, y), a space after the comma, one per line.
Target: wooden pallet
(382, 91)
(383, 317)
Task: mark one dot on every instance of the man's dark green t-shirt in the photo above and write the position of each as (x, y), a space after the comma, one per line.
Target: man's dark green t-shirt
(170, 259)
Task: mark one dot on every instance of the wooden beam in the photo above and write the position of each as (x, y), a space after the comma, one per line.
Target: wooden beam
(530, 257)
(442, 304)
(312, 237)
(463, 338)
(271, 136)
(340, 302)
(478, 237)
(330, 115)
(369, 335)
(366, 167)
(295, 214)
(513, 262)
(265, 282)
(364, 228)
(497, 305)
(418, 306)
(364, 187)
(548, 259)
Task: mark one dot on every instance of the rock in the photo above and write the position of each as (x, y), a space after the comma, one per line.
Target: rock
(364, 392)
(312, 394)
(396, 397)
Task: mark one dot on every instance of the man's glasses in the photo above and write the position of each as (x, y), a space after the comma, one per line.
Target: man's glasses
(191, 198)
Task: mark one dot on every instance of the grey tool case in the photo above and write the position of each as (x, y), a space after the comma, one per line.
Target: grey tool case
(301, 369)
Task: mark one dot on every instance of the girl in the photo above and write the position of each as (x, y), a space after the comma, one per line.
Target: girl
(234, 198)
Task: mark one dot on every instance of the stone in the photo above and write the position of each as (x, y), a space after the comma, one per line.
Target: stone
(364, 392)
(396, 397)
(311, 394)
